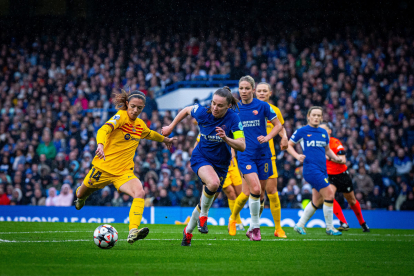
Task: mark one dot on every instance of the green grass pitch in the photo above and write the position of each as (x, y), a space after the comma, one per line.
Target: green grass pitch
(68, 249)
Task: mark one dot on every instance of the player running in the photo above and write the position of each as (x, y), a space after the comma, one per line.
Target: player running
(117, 142)
(255, 162)
(315, 144)
(263, 93)
(232, 185)
(341, 182)
(220, 130)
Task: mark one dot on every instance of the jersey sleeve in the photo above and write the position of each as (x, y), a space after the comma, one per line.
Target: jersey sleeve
(198, 112)
(279, 115)
(297, 136)
(150, 134)
(339, 148)
(115, 122)
(269, 113)
(237, 128)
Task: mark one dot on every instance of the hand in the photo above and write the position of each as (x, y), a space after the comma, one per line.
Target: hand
(301, 158)
(168, 142)
(263, 139)
(221, 133)
(338, 160)
(99, 152)
(284, 144)
(166, 131)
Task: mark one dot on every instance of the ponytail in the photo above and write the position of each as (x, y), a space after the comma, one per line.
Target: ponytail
(121, 99)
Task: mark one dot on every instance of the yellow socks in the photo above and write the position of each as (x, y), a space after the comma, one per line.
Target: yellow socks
(238, 205)
(261, 207)
(136, 212)
(275, 209)
(231, 206)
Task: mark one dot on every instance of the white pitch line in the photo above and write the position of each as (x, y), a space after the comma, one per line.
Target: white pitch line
(244, 240)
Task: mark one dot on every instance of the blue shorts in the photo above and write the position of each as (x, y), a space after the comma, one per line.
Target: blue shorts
(317, 179)
(263, 167)
(198, 161)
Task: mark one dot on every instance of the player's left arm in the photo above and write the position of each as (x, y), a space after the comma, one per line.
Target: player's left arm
(277, 127)
(332, 155)
(340, 153)
(155, 136)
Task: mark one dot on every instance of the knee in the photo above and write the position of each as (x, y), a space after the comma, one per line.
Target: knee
(255, 189)
(351, 201)
(138, 193)
(231, 195)
(213, 185)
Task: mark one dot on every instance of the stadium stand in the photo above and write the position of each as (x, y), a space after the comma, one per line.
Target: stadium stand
(56, 92)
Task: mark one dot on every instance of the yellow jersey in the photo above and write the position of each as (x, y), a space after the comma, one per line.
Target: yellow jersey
(120, 136)
(269, 128)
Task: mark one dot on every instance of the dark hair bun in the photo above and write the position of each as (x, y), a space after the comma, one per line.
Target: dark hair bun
(228, 88)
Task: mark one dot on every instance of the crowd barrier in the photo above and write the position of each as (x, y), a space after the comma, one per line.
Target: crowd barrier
(180, 215)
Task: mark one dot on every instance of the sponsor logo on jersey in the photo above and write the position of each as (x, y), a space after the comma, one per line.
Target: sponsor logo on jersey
(255, 112)
(117, 117)
(314, 143)
(195, 108)
(252, 123)
(127, 136)
(248, 167)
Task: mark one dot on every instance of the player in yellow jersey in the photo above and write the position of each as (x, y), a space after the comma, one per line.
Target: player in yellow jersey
(113, 164)
(263, 93)
(232, 185)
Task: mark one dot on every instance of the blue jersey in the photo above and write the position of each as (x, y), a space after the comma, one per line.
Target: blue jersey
(313, 141)
(254, 117)
(211, 146)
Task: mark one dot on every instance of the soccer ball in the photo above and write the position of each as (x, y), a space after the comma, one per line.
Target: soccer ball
(105, 236)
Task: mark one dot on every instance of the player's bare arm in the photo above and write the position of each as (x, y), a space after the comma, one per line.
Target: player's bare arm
(238, 144)
(284, 141)
(277, 127)
(291, 150)
(332, 155)
(167, 130)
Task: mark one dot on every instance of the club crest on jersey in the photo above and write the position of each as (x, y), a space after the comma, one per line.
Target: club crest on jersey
(127, 136)
(248, 167)
(255, 112)
(309, 135)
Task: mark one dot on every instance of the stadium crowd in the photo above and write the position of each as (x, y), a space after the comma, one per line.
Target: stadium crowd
(56, 92)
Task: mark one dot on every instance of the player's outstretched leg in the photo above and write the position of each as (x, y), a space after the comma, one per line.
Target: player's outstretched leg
(82, 194)
(135, 217)
(188, 230)
(238, 206)
(254, 230)
(328, 214)
(207, 199)
(307, 214)
(340, 215)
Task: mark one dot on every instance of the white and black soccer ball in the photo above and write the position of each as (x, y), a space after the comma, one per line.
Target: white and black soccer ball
(105, 236)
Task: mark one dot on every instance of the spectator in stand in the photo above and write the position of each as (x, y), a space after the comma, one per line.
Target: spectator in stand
(402, 163)
(46, 147)
(408, 204)
(363, 182)
(65, 198)
(189, 200)
(51, 199)
(390, 199)
(163, 199)
(38, 199)
(4, 200)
